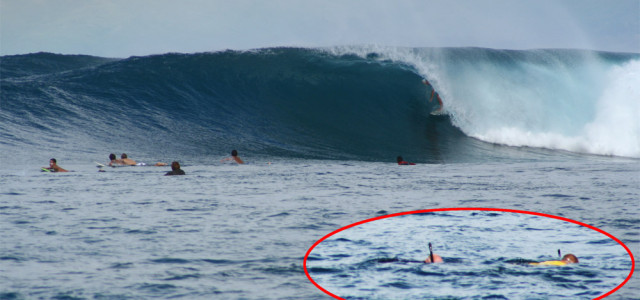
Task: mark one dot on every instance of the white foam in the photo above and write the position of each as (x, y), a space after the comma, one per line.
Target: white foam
(615, 129)
(571, 101)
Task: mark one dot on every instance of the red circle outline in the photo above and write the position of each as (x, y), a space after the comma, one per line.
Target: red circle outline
(633, 263)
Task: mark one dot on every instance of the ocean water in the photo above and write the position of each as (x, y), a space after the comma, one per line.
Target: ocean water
(241, 232)
(486, 254)
(550, 131)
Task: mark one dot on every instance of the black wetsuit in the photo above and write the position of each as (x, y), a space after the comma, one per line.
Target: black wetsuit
(175, 172)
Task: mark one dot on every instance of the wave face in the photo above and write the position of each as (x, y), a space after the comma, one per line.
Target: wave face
(343, 103)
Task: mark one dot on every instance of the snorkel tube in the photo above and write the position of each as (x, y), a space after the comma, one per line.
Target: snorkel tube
(431, 253)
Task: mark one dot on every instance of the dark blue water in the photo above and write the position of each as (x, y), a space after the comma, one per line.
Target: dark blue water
(323, 104)
(286, 102)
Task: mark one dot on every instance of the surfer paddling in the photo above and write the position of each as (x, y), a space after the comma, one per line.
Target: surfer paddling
(433, 258)
(126, 160)
(53, 166)
(433, 93)
(234, 157)
(113, 161)
(402, 162)
(175, 169)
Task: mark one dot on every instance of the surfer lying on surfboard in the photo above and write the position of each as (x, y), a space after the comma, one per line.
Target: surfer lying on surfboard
(433, 92)
(402, 162)
(120, 162)
(125, 161)
(53, 167)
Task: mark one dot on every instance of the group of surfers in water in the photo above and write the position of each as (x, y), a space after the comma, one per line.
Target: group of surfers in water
(126, 161)
(565, 260)
(175, 166)
(175, 170)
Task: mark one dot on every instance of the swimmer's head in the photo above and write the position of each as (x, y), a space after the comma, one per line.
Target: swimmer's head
(399, 159)
(123, 156)
(234, 152)
(175, 165)
(112, 156)
(570, 259)
(436, 259)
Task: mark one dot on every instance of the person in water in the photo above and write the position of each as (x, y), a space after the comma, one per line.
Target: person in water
(433, 92)
(433, 258)
(436, 259)
(126, 160)
(175, 169)
(113, 161)
(234, 157)
(53, 166)
(566, 259)
(402, 162)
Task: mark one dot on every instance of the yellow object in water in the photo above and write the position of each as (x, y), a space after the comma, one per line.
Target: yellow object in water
(550, 263)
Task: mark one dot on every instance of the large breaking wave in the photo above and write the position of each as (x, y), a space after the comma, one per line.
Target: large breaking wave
(362, 103)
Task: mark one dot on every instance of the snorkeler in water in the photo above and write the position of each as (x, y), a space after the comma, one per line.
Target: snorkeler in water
(433, 258)
(567, 259)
